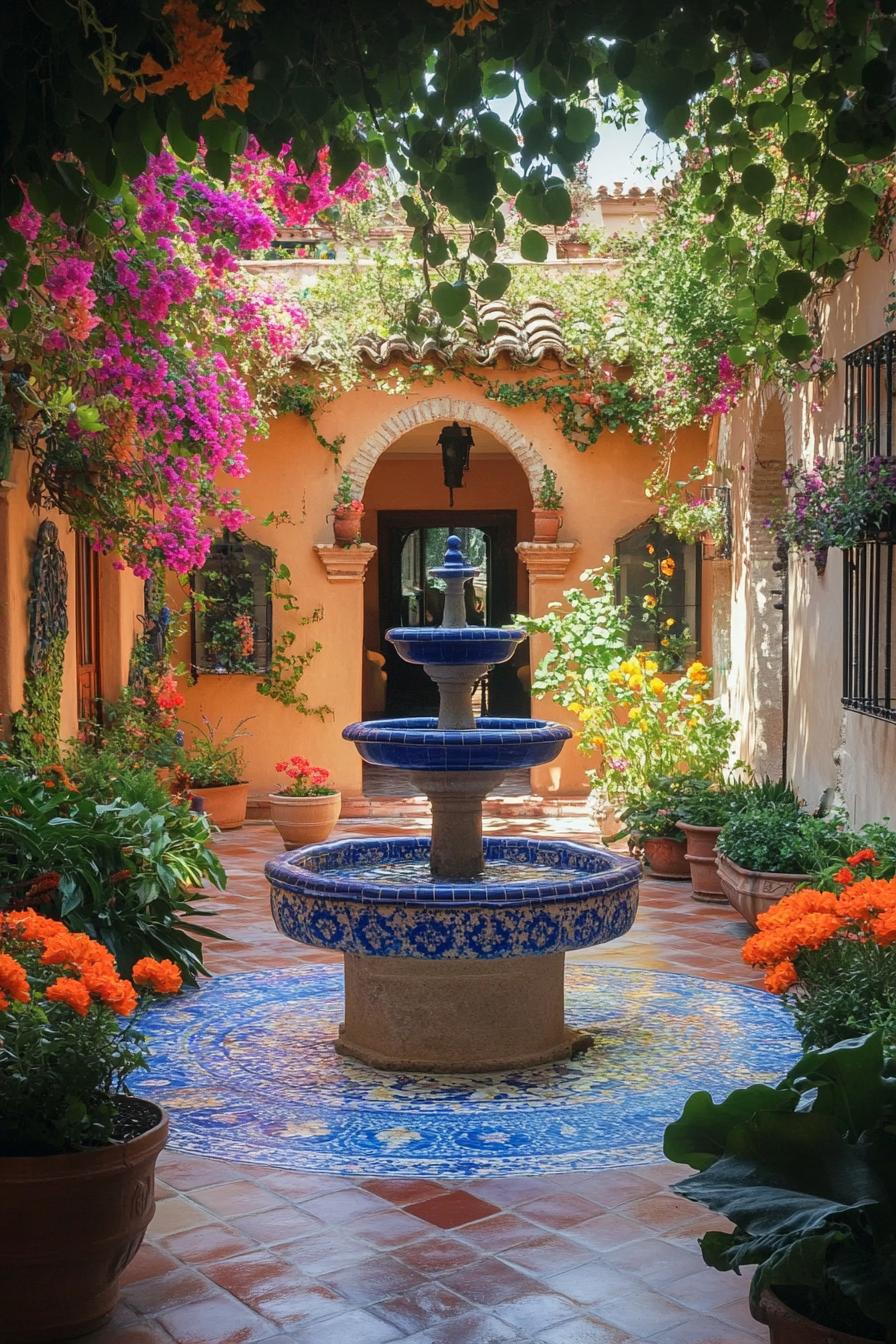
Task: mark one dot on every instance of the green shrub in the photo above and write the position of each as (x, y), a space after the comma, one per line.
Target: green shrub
(778, 838)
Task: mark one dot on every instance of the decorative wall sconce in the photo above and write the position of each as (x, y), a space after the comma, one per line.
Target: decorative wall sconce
(455, 441)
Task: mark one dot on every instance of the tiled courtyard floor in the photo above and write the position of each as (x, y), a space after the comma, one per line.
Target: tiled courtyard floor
(239, 1253)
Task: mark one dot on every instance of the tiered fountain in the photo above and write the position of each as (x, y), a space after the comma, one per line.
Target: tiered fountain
(454, 947)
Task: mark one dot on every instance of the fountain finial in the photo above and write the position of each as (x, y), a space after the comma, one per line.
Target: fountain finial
(454, 571)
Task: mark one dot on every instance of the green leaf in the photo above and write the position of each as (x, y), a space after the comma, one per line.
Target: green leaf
(831, 173)
(845, 225)
(182, 144)
(497, 133)
(758, 180)
(800, 147)
(495, 282)
(580, 124)
(793, 346)
(701, 1135)
(864, 199)
(557, 205)
(450, 300)
(19, 317)
(721, 111)
(533, 246)
(498, 84)
(217, 161)
(793, 286)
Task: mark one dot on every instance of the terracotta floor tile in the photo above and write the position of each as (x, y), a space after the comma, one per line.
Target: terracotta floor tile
(617, 1186)
(340, 1205)
(437, 1255)
(655, 1260)
(422, 1307)
(219, 1320)
(488, 1281)
(350, 1327)
(659, 1211)
(643, 1312)
(559, 1210)
(584, 1330)
(452, 1210)
(547, 1254)
(608, 1230)
(496, 1234)
(391, 1228)
(213, 1241)
(149, 1261)
(324, 1252)
(708, 1330)
(275, 1288)
(167, 1290)
(177, 1215)
(477, 1328)
(592, 1283)
(142, 1332)
(186, 1172)
(283, 1223)
(404, 1191)
(537, 1311)
(371, 1280)
(299, 1185)
(707, 1289)
(235, 1199)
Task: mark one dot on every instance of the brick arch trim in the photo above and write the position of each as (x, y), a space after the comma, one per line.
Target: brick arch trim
(445, 409)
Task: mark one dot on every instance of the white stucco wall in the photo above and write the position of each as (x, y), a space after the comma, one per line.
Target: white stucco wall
(827, 746)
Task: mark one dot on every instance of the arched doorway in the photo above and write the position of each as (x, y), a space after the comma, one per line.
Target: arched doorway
(767, 598)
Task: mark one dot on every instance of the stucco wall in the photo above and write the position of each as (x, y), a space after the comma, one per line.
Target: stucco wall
(827, 746)
(604, 499)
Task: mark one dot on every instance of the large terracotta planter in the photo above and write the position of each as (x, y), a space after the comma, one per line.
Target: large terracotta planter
(225, 805)
(347, 525)
(305, 821)
(701, 856)
(546, 524)
(664, 857)
(71, 1224)
(752, 893)
(786, 1326)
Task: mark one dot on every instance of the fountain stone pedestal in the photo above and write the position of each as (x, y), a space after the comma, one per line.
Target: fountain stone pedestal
(454, 947)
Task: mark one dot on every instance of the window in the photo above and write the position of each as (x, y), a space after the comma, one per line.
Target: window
(232, 608)
(868, 570)
(665, 609)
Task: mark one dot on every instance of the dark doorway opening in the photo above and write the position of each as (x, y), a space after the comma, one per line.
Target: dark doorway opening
(410, 544)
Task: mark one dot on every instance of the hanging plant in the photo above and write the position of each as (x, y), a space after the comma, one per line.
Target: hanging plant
(691, 509)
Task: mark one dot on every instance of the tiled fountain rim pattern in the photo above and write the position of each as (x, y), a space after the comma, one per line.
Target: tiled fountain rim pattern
(306, 872)
(489, 731)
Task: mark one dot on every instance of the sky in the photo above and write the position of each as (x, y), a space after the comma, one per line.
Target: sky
(627, 156)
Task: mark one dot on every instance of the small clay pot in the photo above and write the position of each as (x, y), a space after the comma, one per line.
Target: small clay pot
(665, 857)
(572, 247)
(305, 821)
(546, 524)
(701, 856)
(786, 1326)
(225, 805)
(71, 1224)
(752, 893)
(347, 525)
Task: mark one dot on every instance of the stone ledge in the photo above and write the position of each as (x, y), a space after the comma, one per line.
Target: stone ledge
(345, 564)
(547, 560)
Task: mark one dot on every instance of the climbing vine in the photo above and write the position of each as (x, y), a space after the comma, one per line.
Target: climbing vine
(288, 666)
(35, 727)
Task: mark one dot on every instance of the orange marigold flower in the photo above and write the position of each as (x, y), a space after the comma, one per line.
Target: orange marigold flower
(884, 928)
(862, 856)
(29, 926)
(667, 566)
(72, 992)
(844, 877)
(161, 976)
(780, 978)
(793, 907)
(13, 980)
(109, 988)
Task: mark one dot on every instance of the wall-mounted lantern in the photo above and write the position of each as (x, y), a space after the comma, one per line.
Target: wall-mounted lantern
(455, 441)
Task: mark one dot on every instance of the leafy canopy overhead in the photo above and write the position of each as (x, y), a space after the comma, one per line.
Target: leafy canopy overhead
(466, 102)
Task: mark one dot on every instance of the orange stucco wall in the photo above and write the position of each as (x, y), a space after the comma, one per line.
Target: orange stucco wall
(121, 598)
(604, 499)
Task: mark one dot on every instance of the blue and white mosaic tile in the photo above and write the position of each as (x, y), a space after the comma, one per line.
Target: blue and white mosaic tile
(246, 1068)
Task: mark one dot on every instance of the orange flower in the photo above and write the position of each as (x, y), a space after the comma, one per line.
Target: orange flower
(862, 856)
(72, 992)
(200, 64)
(884, 928)
(161, 976)
(795, 906)
(109, 988)
(667, 566)
(844, 877)
(781, 977)
(13, 980)
(29, 926)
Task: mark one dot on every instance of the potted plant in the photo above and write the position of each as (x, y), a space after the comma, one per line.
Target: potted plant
(806, 1172)
(548, 511)
(306, 809)
(768, 848)
(651, 823)
(77, 1151)
(704, 811)
(213, 765)
(347, 513)
(831, 955)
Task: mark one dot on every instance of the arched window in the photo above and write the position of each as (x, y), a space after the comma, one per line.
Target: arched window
(231, 624)
(659, 576)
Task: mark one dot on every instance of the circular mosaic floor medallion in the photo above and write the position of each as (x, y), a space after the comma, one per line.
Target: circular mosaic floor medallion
(246, 1069)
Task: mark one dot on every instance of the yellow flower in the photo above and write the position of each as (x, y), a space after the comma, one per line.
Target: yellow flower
(629, 666)
(650, 601)
(698, 674)
(635, 681)
(658, 686)
(670, 622)
(644, 726)
(598, 741)
(697, 697)
(650, 667)
(575, 707)
(588, 714)
(664, 643)
(650, 549)
(667, 566)
(616, 676)
(693, 721)
(634, 714)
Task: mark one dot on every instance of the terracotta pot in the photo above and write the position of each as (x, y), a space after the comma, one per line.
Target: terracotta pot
(751, 893)
(305, 821)
(347, 525)
(71, 1223)
(572, 247)
(786, 1326)
(547, 523)
(225, 805)
(701, 857)
(664, 857)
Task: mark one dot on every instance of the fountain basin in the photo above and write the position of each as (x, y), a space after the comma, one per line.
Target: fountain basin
(338, 896)
(444, 646)
(494, 744)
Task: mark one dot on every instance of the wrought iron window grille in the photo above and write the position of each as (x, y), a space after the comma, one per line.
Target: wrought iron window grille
(232, 618)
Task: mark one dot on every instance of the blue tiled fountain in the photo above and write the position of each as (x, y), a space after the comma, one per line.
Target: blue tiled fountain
(454, 946)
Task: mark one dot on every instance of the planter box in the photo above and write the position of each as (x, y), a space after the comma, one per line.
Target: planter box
(752, 893)
(786, 1326)
(225, 806)
(71, 1224)
(665, 857)
(305, 821)
(701, 857)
